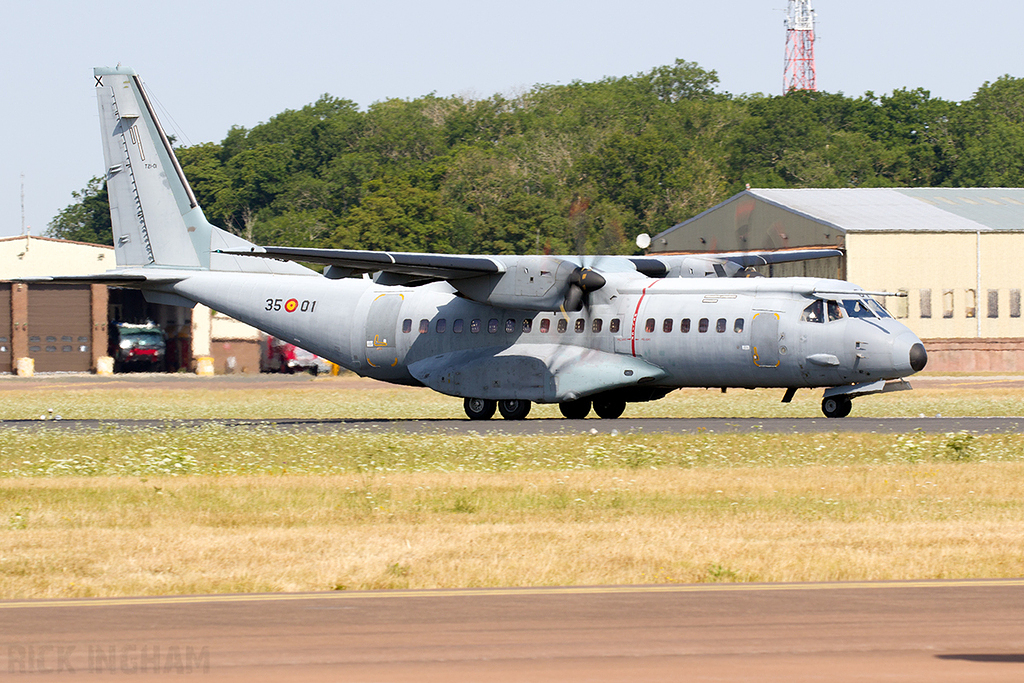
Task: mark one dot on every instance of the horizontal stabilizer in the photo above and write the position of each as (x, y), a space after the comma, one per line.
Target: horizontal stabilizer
(109, 279)
(354, 261)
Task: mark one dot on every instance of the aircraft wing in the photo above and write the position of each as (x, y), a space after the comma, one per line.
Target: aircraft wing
(355, 261)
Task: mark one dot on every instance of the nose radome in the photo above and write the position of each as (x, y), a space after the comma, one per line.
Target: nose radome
(918, 357)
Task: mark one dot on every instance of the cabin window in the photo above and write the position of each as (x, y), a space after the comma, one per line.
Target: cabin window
(814, 313)
(737, 326)
(474, 326)
(598, 324)
(649, 326)
(528, 325)
(458, 325)
(441, 325)
(580, 325)
(424, 326)
(492, 326)
(563, 325)
(702, 326)
(666, 326)
(834, 311)
(545, 325)
(613, 325)
(721, 325)
(407, 326)
(510, 326)
(684, 325)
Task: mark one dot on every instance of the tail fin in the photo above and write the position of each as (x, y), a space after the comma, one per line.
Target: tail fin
(156, 218)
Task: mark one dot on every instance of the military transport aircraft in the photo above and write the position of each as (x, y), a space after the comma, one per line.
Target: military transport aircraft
(498, 331)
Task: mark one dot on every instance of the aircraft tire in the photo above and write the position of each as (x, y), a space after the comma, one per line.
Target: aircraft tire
(836, 406)
(609, 408)
(575, 410)
(479, 408)
(514, 409)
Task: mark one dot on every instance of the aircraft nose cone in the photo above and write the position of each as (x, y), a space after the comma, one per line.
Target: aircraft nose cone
(918, 357)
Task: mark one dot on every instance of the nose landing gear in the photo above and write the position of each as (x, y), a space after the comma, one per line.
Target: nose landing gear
(836, 406)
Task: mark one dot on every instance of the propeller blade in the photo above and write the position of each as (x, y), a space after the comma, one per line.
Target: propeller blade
(573, 298)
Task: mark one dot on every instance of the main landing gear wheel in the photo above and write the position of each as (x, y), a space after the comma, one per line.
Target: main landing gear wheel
(609, 408)
(480, 408)
(514, 409)
(575, 410)
(836, 406)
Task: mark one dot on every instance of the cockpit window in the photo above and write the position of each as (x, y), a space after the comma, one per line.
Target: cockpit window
(878, 308)
(815, 313)
(835, 311)
(860, 308)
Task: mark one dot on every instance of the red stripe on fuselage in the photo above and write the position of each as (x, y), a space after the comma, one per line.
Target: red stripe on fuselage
(636, 313)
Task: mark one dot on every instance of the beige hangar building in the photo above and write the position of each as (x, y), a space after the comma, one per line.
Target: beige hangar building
(952, 251)
(63, 327)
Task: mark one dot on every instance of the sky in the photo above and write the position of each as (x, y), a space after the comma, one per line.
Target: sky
(221, 63)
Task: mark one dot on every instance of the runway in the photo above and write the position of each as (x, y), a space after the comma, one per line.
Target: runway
(891, 425)
(887, 631)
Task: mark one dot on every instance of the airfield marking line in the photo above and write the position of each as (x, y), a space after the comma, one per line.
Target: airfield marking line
(508, 592)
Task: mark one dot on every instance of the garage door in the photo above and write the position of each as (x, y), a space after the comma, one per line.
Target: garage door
(59, 328)
(5, 328)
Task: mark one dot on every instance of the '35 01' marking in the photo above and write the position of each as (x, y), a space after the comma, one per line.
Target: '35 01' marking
(290, 305)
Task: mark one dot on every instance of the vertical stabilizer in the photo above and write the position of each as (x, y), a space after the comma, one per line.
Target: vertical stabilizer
(156, 218)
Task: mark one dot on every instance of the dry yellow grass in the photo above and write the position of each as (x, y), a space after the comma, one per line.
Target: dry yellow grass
(77, 536)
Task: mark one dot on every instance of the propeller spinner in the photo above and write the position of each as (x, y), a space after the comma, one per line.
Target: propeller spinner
(581, 281)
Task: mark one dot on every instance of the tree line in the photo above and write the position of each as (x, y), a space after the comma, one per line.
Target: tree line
(577, 168)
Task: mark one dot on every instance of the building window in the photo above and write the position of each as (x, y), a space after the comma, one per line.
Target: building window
(598, 324)
(947, 303)
(702, 326)
(993, 303)
(407, 326)
(563, 325)
(667, 325)
(684, 326)
(926, 303)
(902, 304)
(971, 305)
(1014, 303)
(613, 325)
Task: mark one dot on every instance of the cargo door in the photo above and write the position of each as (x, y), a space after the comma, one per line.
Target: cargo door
(382, 332)
(764, 339)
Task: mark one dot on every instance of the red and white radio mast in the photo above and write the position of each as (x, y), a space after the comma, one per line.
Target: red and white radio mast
(800, 72)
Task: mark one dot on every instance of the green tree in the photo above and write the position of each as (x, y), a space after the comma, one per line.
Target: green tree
(87, 219)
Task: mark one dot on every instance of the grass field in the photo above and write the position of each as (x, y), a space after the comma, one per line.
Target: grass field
(213, 509)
